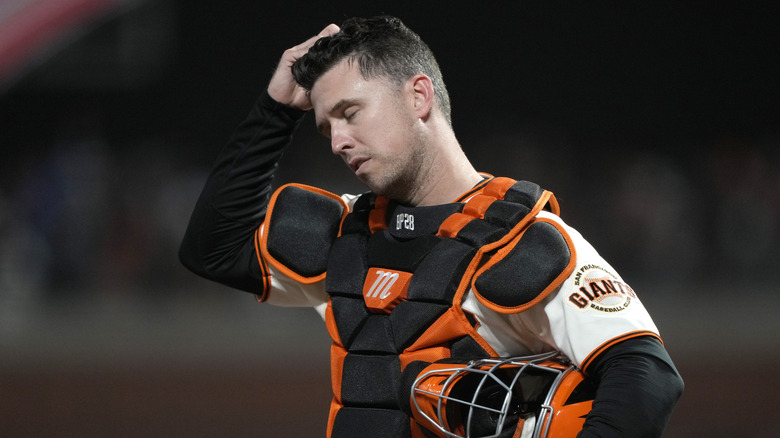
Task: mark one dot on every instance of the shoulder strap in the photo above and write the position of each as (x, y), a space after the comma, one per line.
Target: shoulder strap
(522, 258)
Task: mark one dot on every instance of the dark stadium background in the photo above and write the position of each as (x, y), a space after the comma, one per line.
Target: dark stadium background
(655, 123)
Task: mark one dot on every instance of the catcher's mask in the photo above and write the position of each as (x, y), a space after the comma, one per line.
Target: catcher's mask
(532, 396)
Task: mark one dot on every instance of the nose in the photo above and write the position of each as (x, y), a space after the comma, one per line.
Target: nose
(339, 141)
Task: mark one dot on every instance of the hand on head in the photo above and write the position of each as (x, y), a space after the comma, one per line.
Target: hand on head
(283, 88)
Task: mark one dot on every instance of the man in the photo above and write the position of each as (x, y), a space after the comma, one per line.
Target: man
(436, 262)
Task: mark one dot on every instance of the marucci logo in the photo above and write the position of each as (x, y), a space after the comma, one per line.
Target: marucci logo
(384, 288)
(381, 287)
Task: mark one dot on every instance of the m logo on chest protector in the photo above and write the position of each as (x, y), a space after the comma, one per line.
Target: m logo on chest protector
(384, 288)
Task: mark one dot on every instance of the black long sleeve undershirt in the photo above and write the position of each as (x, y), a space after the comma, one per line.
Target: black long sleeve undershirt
(638, 386)
(218, 243)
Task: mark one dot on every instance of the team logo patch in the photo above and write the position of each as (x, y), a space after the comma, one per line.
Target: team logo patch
(384, 288)
(600, 290)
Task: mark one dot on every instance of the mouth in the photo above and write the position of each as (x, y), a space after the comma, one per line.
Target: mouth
(355, 163)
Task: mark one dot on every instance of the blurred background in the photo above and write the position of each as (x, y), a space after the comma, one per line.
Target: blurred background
(655, 123)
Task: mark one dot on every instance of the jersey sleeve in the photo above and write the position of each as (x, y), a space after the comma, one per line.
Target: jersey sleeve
(592, 309)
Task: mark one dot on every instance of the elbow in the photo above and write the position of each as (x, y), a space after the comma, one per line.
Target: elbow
(676, 386)
(232, 270)
(188, 256)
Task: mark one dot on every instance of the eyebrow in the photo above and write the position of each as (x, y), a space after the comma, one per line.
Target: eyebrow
(340, 104)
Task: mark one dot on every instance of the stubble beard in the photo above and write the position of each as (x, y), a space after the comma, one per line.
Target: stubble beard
(403, 176)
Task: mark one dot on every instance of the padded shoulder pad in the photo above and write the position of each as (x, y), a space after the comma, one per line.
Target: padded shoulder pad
(527, 269)
(524, 192)
(301, 224)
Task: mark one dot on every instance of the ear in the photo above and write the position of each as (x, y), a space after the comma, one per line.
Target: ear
(422, 94)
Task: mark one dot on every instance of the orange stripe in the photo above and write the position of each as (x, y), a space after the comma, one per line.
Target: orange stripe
(453, 224)
(603, 347)
(330, 323)
(447, 327)
(337, 356)
(554, 207)
(417, 430)
(476, 188)
(519, 428)
(477, 205)
(428, 354)
(377, 217)
(519, 226)
(498, 187)
(334, 409)
(264, 274)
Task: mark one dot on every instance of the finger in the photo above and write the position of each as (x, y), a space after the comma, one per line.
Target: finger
(327, 31)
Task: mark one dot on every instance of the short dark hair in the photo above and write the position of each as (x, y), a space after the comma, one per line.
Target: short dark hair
(381, 46)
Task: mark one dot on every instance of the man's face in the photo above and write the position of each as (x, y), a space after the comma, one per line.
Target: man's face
(373, 127)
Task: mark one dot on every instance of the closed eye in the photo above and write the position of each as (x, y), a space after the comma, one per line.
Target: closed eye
(346, 108)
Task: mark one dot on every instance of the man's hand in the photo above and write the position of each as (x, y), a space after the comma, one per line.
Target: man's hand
(283, 87)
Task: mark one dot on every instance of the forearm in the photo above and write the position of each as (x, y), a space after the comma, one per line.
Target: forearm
(218, 242)
(638, 387)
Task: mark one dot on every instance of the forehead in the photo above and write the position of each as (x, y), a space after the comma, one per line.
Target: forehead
(345, 82)
(342, 79)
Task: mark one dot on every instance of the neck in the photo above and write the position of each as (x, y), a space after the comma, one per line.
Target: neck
(447, 175)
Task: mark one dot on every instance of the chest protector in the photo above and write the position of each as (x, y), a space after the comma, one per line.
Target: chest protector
(396, 277)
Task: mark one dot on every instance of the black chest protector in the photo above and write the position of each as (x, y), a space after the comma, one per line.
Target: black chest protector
(396, 277)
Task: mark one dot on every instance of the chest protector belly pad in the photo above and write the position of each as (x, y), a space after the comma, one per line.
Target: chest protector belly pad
(396, 277)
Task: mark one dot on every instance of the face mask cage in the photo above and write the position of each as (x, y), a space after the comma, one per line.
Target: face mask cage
(489, 398)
